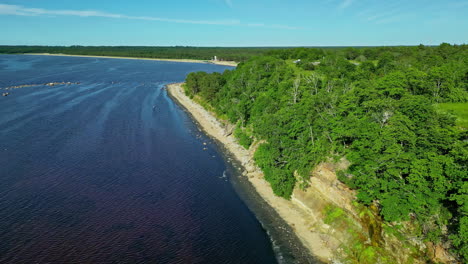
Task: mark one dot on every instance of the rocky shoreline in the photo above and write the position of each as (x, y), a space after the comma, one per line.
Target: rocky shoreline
(291, 212)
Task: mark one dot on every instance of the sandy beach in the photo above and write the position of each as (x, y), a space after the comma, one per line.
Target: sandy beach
(224, 63)
(295, 215)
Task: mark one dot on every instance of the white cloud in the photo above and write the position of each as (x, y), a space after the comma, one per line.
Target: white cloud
(24, 11)
(460, 4)
(345, 4)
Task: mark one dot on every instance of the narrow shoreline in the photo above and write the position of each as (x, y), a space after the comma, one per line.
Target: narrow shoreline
(223, 63)
(291, 213)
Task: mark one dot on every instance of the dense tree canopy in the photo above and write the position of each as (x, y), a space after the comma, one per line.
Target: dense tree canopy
(376, 107)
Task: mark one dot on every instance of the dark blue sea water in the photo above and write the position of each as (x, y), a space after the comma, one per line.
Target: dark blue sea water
(111, 170)
(108, 169)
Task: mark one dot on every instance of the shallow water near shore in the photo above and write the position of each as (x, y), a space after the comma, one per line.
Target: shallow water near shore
(286, 245)
(109, 169)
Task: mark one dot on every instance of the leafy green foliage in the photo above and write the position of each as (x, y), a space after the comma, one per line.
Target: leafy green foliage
(406, 154)
(244, 139)
(332, 214)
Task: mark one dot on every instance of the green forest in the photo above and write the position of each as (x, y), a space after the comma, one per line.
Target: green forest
(196, 53)
(398, 114)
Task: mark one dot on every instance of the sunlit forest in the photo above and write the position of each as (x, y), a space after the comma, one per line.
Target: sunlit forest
(398, 114)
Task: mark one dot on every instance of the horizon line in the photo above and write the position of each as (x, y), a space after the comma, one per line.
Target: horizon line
(273, 46)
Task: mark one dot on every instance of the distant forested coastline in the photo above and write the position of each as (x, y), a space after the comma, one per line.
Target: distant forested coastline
(238, 54)
(195, 53)
(398, 114)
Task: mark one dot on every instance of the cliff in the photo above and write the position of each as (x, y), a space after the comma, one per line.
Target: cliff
(324, 215)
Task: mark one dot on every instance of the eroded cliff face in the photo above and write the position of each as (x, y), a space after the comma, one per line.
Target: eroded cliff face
(356, 233)
(325, 216)
(348, 231)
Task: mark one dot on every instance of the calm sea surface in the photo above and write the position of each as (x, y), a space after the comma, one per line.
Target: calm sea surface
(111, 170)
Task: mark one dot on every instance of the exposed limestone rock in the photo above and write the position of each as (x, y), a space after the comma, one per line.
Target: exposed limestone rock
(355, 232)
(229, 129)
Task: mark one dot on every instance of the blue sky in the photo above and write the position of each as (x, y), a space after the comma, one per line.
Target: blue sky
(233, 22)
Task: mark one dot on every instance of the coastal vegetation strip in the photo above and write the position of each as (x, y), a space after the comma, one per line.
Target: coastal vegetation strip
(293, 214)
(407, 158)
